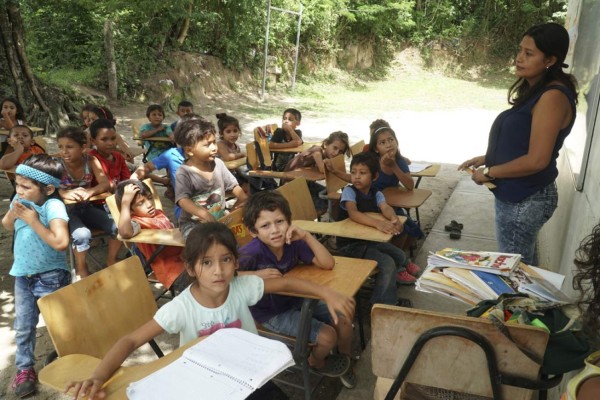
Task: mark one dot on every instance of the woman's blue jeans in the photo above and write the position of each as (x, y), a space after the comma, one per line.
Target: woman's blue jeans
(28, 289)
(518, 224)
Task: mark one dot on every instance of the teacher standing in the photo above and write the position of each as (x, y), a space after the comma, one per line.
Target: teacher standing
(524, 140)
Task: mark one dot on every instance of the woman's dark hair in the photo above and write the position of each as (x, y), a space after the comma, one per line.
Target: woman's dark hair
(191, 130)
(100, 124)
(104, 113)
(224, 120)
(265, 200)
(47, 164)
(342, 137)
(368, 158)
(20, 114)
(203, 237)
(587, 281)
(144, 190)
(552, 39)
(75, 133)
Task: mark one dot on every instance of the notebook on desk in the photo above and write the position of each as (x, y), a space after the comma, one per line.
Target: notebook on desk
(230, 364)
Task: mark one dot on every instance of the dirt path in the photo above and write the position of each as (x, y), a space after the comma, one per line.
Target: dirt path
(428, 136)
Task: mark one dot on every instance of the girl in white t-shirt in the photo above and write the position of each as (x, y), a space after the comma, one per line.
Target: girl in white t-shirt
(217, 299)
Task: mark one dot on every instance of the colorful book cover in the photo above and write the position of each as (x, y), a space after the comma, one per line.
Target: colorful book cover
(494, 282)
(495, 263)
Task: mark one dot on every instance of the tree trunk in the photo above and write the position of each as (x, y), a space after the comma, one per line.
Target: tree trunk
(44, 107)
(111, 65)
(185, 26)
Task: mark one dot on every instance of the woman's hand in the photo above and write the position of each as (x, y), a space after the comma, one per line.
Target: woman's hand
(478, 176)
(474, 162)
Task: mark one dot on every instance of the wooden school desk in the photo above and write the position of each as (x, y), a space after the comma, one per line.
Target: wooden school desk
(152, 140)
(100, 196)
(400, 197)
(235, 164)
(346, 277)
(429, 172)
(309, 173)
(298, 149)
(347, 228)
(34, 129)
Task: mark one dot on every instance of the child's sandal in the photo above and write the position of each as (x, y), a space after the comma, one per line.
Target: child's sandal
(453, 225)
(455, 234)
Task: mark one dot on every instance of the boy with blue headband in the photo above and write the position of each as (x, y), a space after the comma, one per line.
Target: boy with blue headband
(41, 235)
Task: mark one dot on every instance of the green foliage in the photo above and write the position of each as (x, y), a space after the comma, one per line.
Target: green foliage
(67, 36)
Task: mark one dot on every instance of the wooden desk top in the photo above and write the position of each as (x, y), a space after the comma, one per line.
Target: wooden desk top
(298, 149)
(100, 196)
(166, 237)
(347, 228)
(400, 197)
(34, 129)
(80, 366)
(154, 139)
(234, 164)
(346, 277)
(310, 174)
(428, 172)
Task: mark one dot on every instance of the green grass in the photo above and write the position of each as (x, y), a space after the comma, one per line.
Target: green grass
(414, 91)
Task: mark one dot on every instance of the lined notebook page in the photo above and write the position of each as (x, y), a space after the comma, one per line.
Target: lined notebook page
(229, 364)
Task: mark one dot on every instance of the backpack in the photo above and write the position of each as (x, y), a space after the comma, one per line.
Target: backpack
(567, 346)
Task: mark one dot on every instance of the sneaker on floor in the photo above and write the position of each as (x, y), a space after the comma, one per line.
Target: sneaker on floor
(404, 278)
(25, 383)
(349, 378)
(413, 269)
(336, 365)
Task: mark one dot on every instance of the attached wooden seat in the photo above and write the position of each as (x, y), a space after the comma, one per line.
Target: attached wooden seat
(89, 316)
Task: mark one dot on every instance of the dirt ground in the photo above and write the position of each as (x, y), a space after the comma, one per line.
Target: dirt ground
(442, 187)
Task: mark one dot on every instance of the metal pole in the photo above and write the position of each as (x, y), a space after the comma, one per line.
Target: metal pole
(297, 48)
(264, 81)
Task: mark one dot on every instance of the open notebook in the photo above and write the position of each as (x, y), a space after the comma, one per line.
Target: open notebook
(230, 364)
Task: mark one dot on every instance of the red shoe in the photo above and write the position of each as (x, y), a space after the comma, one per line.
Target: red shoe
(413, 269)
(404, 278)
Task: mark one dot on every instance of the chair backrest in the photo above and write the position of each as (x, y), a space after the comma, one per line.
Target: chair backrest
(111, 202)
(357, 147)
(332, 182)
(42, 142)
(262, 136)
(298, 196)
(136, 124)
(233, 220)
(89, 316)
(456, 363)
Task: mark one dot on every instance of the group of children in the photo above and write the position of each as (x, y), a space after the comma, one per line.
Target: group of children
(217, 297)
(230, 287)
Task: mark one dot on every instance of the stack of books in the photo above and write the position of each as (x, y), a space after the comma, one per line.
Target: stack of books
(473, 276)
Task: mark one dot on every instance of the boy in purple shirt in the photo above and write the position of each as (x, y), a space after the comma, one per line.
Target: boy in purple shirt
(278, 247)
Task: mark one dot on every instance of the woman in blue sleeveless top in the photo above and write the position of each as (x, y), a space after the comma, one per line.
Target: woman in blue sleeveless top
(524, 140)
